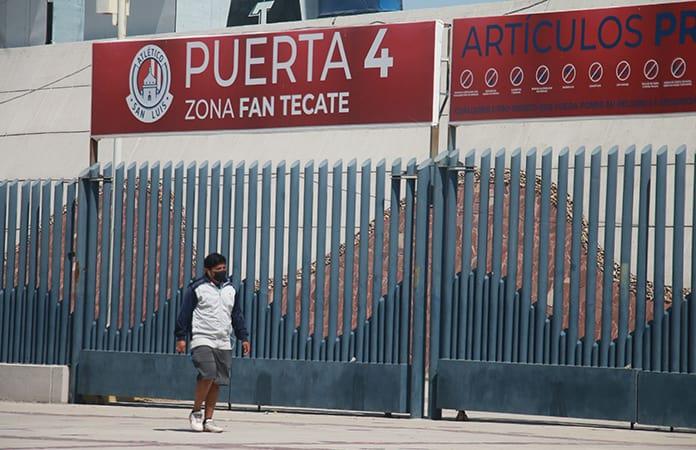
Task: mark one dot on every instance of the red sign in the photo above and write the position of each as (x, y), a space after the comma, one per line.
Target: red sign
(383, 74)
(629, 60)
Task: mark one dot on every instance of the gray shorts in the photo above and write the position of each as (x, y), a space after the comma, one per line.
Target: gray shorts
(212, 364)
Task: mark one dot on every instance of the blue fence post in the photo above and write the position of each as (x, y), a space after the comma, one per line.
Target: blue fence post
(420, 281)
(319, 297)
(214, 223)
(128, 259)
(527, 255)
(574, 300)
(44, 304)
(226, 219)
(622, 356)
(20, 296)
(481, 255)
(78, 321)
(466, 289)
(348, 285)
(407, 273)
(439, 169)
(307, 213)
(263, 346)
(152, 227)
(659, 276)
(497, 260)
(140, 258)
(68, 275)
(591, 283)
(377, 263)
(57, 258)
(608, 269)
(542, 275)
(190, 224)
(227, 196)
(392, 306)
(106, 214)
(239, 177)
(29, 315)
(336, 191)
(365, 176)
(250, 278)
(278, 259)
(559, 261)
(512, 252)
(678, 261)
(164, 266)
(294, 207)
(177, 214)
(201, 216)
(641, 281)
(393, 321)
(91, 275)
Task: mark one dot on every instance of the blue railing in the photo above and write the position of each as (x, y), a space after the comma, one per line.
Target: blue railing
(475, 259)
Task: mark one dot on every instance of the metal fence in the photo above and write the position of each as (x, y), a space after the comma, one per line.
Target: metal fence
(477, 259)
(572, 300)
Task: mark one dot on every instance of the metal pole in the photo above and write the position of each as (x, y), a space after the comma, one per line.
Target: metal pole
(303, 9)
(116, 157)
(121, 19)
(434, 141)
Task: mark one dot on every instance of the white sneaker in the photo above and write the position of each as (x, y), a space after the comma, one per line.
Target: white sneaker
(209, 425)
(196, 419)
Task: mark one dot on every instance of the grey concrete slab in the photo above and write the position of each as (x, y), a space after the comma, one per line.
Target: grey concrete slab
(24, 426)
(34, 383)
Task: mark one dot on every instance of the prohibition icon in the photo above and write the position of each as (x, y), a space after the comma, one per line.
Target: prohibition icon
(516, 76)
(678, 67)
(568, 73)
(491, 77)
(596, 72)
(466, 79)
(623, 70)
(542, 75)
(651, 69)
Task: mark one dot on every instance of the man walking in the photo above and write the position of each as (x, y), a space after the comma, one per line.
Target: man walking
(208, 314)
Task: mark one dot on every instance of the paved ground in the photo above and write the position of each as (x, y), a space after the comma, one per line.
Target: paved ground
(36, 426)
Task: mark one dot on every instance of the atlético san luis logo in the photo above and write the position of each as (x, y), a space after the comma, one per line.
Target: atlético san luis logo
(149, 82)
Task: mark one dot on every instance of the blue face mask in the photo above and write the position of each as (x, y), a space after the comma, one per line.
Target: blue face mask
(220, 277)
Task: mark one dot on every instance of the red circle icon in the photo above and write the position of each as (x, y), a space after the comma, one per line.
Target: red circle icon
(568, 73)
(596, 72)
(678, 67)
(623, 70)
(466, 79)
(491, 77)
(651, 69)
(516, 76)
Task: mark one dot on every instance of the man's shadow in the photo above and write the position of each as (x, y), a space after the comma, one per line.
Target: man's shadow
(182, 430)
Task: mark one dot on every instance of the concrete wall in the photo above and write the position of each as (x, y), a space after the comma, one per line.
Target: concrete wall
(34, 383)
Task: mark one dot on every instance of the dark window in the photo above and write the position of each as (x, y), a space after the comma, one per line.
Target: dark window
(49, 22)
(282, 11)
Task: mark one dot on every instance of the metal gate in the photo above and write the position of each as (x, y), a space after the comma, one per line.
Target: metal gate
(364, 284)
(539, 313)
(315, 253)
